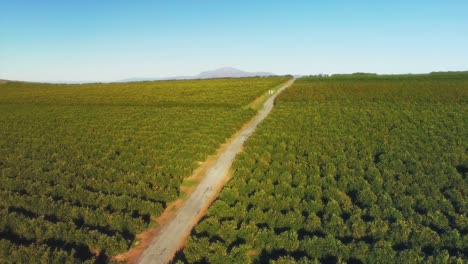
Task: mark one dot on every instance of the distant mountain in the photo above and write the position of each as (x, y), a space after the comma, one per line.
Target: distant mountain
(226, 72)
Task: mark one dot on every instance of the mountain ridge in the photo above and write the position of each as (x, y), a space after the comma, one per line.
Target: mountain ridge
(224, 72)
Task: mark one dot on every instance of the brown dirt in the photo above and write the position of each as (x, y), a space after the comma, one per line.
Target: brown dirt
(144, 239)
(205, 209)
(256, 103)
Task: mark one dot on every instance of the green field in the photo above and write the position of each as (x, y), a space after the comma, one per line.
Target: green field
(84, 167)
(348, 169)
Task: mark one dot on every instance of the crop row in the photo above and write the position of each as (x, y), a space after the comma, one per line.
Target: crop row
(193, 93)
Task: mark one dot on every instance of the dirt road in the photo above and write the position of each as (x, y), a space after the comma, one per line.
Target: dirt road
(173, 234)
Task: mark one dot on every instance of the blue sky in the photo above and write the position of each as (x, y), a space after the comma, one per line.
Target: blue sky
(91, 40)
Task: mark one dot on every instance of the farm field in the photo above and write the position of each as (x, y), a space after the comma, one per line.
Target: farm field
(348, 169)
(84, 168)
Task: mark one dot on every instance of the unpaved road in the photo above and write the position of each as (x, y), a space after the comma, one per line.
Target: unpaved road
(173, 234)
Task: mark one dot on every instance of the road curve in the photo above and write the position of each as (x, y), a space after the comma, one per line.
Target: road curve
(173, 234)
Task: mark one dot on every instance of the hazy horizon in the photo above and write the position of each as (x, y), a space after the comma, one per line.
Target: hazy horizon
(56, 41)
(197, 77)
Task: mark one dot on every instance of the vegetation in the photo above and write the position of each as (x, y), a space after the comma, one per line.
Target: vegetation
(83, 168)
(350, 168)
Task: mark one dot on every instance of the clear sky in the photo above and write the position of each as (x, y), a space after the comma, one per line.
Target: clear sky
(99, 40)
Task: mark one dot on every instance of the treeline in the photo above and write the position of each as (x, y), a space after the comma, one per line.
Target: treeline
(450, 76)
(194, 93)
(82, 172)
(347, 172)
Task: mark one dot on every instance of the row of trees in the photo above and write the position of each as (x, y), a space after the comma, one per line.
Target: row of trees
(337, 175)
(83, 168)
(185, 93)
(36, 253)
